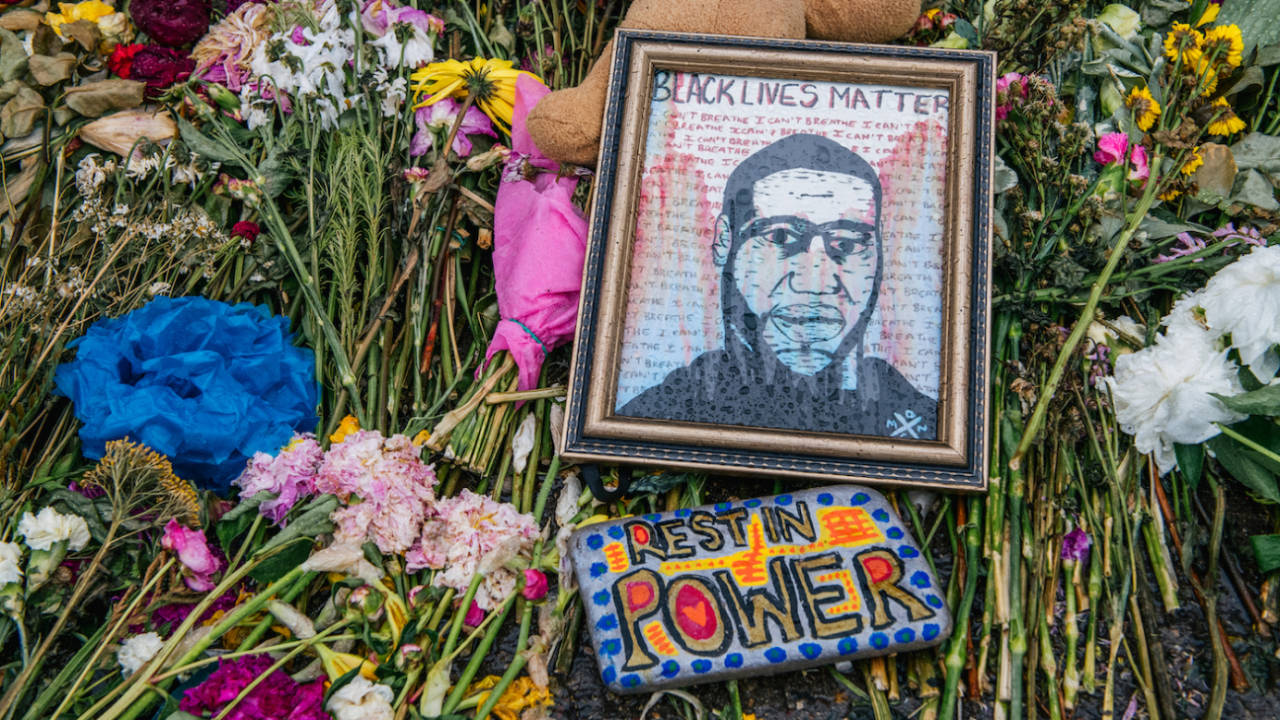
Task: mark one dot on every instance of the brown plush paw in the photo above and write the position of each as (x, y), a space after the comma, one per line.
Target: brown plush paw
(872, 21)
(566, 127)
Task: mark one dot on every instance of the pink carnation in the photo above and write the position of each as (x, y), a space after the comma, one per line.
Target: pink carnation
(535, 584)
(289, 475)
(387, 489)
(198, 561)
(472, 533)
(1112, 149)
(223, 55)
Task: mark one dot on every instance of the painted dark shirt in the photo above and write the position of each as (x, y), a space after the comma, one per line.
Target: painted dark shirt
(716, 389)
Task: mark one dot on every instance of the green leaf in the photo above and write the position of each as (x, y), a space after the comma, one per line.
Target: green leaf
(13, 57)
(658, 483)
(204, 146)
(1266, 550)
(99, 98)
(1190, 461)
(49, 70)
(1240, 462)
(965, 29)
(1253, 189)
(313, 521)
(235, 522)
(276, 566)
(1264, 401)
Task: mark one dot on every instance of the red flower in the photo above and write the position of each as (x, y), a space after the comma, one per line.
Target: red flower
(171, 22)
(121, 60)
(245, 229)
(159, 67)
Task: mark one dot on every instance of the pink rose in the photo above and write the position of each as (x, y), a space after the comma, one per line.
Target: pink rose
(1004, 99)
(193, 552)
(535, 584)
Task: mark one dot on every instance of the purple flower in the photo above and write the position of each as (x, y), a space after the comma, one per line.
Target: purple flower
(1075, 545)
(440, 116)
(1187, 244)
(171, 22)
(276, 698)
(174, 613)
(1248, 235)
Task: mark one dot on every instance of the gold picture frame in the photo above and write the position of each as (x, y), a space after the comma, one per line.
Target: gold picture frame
(951, 96)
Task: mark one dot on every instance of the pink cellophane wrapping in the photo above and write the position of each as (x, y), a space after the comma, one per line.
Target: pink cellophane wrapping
(539, 241)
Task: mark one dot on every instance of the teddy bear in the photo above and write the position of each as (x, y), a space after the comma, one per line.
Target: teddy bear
(565, 125)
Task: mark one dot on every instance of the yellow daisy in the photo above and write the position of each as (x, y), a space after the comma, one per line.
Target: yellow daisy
(1225, 121)
(1193, 162)
(490, 83)
(91, 10)
(1172, 193)
(1224, 44)
(1200, 72)
(1144, 106)
(1181, 37)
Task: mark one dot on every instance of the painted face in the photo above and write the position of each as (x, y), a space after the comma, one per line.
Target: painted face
(808, 263)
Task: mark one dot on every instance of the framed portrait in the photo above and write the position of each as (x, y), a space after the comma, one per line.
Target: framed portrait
(788, 270)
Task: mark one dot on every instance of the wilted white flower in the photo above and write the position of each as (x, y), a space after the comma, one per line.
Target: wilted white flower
(1243, 300)
(89, 175)
(567, 503)
(10, 563)
(522, 442)
(361, 699)
(343, 557)
(1163, 394)
(50, 526)
(137, 651)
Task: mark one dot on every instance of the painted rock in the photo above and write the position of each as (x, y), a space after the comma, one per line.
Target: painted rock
(754, 587)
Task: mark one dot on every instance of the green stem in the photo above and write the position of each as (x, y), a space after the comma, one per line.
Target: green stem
(956, 650)
(1117, 251)
(473, 666)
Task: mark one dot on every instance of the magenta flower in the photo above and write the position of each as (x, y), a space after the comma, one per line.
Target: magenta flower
(1247, 235)
(198, 561)
(378, 16)
(535, 584)
(276, 698)
(224, 53)
(1075, 545)
(439, 118)
(1006, 100)
(1114, 147)
(474, 617)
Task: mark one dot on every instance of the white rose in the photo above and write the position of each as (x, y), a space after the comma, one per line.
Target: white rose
(361, 700)
(42, 531)
(1163, 393)
(10, 563)
(137, 651)
(1243, 300)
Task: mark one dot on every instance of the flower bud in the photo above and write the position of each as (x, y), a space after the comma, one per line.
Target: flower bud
(535, 584)
(224, 98)
(474, 617)
(409, 654)
(366, 601)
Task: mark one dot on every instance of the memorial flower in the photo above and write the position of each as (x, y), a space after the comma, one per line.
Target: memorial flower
(362, 699)
(1114, 149)
(1165, 393)
(385, 485)
(1243, 300)
(137, 651)
(1075, 545)
(473, 533)
(159, 67)
(290, 476)
(1145, 108)
(206, 383)
(90, 10)
(275, 698)
(171, 22)
(1180, 39)
(440, 117)
(223, 54)
(48, 527)
(1225, 121)
(489, 83)
(192, 550)
(1193, 162)
(1225, 44)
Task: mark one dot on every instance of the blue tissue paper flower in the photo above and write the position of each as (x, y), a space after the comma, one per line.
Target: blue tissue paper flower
(206, 383)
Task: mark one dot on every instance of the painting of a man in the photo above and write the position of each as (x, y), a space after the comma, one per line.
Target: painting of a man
(799, 248)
